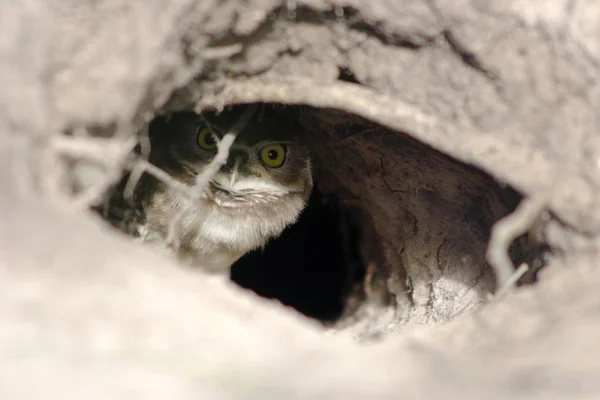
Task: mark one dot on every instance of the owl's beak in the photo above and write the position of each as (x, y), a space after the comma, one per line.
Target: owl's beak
(234, 171)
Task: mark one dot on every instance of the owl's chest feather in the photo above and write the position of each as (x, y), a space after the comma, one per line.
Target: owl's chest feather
(209, 237)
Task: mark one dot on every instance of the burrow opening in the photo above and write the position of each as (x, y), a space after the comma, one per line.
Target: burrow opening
(391, 222)
(313, 266)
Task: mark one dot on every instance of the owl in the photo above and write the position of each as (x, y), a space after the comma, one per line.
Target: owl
(256, 194)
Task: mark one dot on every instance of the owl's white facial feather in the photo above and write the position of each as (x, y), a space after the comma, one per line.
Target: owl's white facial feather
(236, 183)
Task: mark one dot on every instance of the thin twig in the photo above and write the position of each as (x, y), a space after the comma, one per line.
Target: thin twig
(214, 166)
(161, 175)
(368, 280)
(505, 231)
(80, 146)
(135, 175)
(139, 167)
(93, 148)
(223, 150)
(512, 281)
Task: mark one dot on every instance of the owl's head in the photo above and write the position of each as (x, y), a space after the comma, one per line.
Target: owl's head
(267, 162)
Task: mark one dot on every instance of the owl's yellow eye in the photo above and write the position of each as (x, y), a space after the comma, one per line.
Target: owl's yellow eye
(207, 138)
(273, 155)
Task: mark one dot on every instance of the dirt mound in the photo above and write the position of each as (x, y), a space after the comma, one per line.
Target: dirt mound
(429, 124)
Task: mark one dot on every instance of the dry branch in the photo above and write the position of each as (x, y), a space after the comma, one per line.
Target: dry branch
(505, 231)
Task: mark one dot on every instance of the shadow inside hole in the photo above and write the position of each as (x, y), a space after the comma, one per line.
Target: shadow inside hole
(311, 267)
(346, 75)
